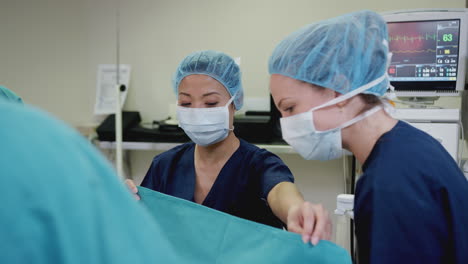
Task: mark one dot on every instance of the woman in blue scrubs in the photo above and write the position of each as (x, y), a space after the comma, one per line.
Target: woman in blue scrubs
(327, 80)
(218, 169)
(62, 202)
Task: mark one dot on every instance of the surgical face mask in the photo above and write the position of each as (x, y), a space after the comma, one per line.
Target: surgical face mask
(205, 126)
(299, 130)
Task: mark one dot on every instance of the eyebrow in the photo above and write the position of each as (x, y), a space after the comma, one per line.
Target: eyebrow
(211, 93)
(204, 95)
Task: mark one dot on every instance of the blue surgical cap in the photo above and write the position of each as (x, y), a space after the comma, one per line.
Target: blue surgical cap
(9, 95)
(217, 65)
(342, 54)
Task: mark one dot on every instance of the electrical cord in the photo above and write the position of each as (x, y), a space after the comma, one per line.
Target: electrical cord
(460, 153)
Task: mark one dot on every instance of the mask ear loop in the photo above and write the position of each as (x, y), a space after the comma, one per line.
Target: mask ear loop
(227, 105)
(385, 100)
(231, 100)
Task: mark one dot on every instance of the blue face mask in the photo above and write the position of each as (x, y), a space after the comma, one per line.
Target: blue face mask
(299, 130)
(205, 126)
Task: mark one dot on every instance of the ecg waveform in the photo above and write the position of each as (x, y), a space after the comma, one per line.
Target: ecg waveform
(413, 38)
(414, 51)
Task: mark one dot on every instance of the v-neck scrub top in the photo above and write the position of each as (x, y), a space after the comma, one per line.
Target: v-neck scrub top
(241, 188)
(411, 203)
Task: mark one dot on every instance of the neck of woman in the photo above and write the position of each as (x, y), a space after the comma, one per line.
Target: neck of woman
(360, 138)
(218, 152)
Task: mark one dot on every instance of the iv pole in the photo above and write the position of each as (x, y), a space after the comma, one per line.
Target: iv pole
(118, 111)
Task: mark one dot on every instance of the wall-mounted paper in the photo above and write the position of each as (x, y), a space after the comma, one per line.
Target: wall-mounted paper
(106, 91)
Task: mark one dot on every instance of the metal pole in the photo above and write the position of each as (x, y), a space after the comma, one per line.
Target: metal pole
(118, 110)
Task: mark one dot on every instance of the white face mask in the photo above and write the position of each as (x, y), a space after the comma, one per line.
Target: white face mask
(299, 130)
(205, 126)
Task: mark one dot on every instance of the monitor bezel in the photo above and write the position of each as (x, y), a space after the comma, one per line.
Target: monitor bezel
(429, 88)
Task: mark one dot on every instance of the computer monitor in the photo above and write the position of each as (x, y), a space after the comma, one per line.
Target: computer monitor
(429, 52)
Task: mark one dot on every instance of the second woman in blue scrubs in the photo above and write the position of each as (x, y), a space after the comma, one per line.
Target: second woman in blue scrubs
(220, 170)
(327, 80)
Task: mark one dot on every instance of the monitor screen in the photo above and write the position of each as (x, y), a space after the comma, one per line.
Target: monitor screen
(425, 54)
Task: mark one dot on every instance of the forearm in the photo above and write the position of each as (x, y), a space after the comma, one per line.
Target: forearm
(282, 197)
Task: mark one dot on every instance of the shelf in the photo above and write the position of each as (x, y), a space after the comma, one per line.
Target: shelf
(163, 146)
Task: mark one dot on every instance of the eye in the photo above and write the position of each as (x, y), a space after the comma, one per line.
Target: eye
(211, 104)
(184, 104)
(289, 109)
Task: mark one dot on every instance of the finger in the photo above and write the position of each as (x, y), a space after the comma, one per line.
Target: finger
(320, 224)
(293, 226)
(309, 219)
(131, 185)
(329, 231)
(137, 197)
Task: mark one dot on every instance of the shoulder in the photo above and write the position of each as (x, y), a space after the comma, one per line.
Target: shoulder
(267, 164)
(409, 154)
(175, 153)
(49, 134)
(407, 144)
(247, 147)
(406, 136)
(26, 129)
(25, 117)
(257, 155)
(167, 162)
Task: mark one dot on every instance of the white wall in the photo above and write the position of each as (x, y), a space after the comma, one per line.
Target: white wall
(50, 49)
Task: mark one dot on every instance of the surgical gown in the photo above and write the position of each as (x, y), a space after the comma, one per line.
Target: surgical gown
(204, 235)
(411, 203)
(61, 201)
(241, 188)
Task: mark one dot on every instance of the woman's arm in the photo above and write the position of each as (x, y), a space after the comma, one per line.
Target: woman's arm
(310, 220)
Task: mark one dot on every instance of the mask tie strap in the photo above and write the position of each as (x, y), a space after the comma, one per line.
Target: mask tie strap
(352, 93)
(362, 116)
(362, 88)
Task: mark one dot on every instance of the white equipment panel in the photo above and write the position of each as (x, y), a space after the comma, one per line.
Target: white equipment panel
(427, 115)
(446, 133)
(442, 124)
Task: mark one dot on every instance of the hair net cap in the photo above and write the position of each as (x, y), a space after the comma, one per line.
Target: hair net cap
(217, 65)
(342, 54)
(9, 95)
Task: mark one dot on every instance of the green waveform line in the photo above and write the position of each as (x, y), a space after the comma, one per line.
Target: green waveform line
(414, 51)
(412, 39)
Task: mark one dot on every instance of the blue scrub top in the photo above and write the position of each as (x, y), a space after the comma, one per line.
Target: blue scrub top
(411, 203)
(241, 188)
